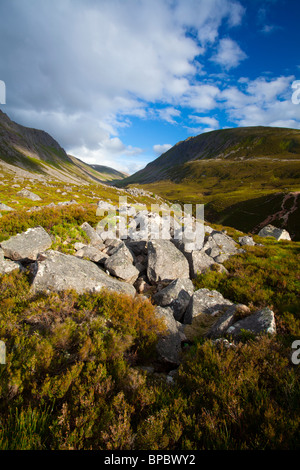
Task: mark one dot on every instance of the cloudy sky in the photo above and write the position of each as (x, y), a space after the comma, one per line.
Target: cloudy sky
(118, 82)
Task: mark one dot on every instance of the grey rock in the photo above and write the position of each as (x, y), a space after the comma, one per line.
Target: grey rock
(176, 296)
(137, 247)
(104, 206)
(224, 243)
(55, 271)
(28, 195)
(92, 234)
(226, 320)
(169, 344)
(27, 245)
(199, 262)
(4, 207)
(6, 265)
(120, 264)
(262, 321)
(165, 262)
(246, 240)
(271, 231)
(205, 301)
(93, 253)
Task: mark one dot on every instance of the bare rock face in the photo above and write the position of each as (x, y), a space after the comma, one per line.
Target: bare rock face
(271, 231)
(209, 302)
(26, 245)
(55, 271)
(165, 262)
(176, 296)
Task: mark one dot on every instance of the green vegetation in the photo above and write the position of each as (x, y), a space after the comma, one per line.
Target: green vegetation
(76, 373)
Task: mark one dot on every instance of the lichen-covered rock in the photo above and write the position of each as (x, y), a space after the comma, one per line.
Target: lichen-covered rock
(262, 321)
(176, 296)
(120, 264)
(169, 344)
(55, 271)
(28, 195)
(94, 237)
(205, 301)
(271, 231)
(246, 240)
(227, 319)
(165, 262)
(27, 245)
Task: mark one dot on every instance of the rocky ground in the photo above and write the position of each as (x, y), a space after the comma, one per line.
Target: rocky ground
(151, 255)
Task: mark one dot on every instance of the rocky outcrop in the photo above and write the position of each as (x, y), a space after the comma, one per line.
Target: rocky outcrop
(271, 231)
(27, 245)
(55, 271)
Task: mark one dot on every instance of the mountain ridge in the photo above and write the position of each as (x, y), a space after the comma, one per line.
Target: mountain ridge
(36, 151)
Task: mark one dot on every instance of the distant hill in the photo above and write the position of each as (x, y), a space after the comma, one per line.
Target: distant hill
(233, 172)
(36, 151)
(237, 144)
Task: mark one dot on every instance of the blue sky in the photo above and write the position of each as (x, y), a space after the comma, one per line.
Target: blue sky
(117, 82)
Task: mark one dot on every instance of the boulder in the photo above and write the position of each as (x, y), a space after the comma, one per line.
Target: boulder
(55, 271)
(226, 320)
(94, 237)
(205, 301)
(271, 231)
(120, 264)
(169, 344)
(246, 240)
(4, 207)
(176, 296)
(28, 195)
(199, 262)
(262, 321)
(6, 265)
(27, 245)
(165, 262)
(93, 253)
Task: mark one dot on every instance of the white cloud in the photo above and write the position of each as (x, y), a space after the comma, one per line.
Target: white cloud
(263, 102)
(229, 54)
(83, 68)
(160, 149)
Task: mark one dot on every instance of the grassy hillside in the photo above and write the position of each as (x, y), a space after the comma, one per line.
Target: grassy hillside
(36, 151)
(241, 175)
(228, 144)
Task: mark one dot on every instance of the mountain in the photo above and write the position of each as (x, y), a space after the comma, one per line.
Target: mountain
(243, 176)
(36, 151)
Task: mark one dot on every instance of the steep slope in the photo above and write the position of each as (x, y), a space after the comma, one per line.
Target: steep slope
(36, 151)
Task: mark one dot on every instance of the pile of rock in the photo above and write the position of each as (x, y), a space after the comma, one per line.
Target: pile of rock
(163, 268)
